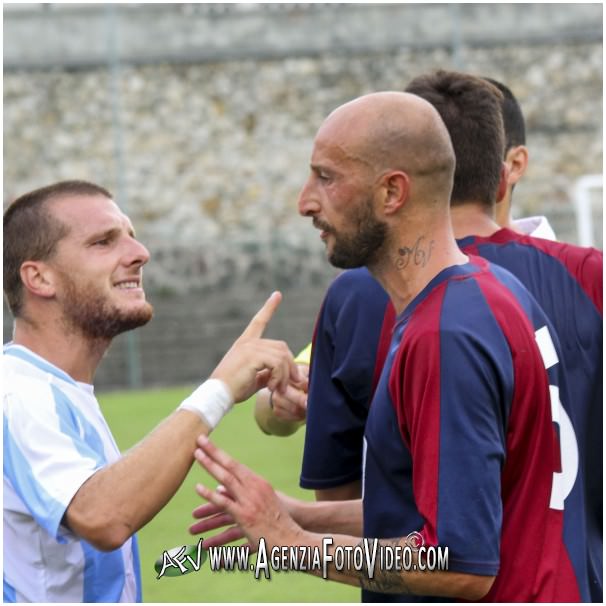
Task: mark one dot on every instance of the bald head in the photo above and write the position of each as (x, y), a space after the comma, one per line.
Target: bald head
(394, 131)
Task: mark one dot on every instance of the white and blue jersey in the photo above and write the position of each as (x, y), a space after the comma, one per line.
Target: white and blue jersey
(55, 438)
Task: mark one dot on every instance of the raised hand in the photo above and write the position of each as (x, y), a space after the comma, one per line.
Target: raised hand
(211, 518)
(253, 362)
(244, 499)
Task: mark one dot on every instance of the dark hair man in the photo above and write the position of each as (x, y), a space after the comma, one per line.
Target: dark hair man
(72, 503)
(565, 279)
(516, 159)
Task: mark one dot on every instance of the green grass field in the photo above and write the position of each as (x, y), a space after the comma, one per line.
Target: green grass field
(131, 415)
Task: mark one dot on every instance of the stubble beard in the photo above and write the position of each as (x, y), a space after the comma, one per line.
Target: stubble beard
(87, 311)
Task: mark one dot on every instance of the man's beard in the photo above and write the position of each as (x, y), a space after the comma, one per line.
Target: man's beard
(87, 311)
(363, 247)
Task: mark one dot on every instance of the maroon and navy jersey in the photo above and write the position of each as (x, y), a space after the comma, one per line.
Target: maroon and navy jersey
(469, 440)
(567, 282)
(352, 334)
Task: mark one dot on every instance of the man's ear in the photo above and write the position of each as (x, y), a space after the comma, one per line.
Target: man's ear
(517, 162)
(38, 278)
(503, 182)
(396, 186)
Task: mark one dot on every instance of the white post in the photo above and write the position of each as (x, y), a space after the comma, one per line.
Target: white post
(582, 205)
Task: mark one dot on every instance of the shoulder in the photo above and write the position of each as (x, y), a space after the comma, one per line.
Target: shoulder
(582, 263)
(33, 398)
(355, 288)
(352, 281)
(468, 304)
(20, 388)
(570, 254)
(575, 258)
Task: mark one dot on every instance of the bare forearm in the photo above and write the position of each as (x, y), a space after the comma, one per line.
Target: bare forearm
(281, 521)
(328, 516)
(119, 499)
(372, 577)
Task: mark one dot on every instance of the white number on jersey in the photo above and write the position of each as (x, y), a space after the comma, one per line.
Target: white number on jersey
(564, 480)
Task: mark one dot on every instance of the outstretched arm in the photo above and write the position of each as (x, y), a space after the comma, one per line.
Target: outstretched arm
(119, 499)
(252, 503)
(325, 517)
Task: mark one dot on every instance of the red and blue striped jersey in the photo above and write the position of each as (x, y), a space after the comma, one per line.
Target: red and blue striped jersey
(567, 282)
(469, 439)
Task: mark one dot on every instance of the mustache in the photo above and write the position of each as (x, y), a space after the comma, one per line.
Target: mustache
(319, 224)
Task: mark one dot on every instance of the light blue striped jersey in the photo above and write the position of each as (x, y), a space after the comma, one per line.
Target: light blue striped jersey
(55, 438)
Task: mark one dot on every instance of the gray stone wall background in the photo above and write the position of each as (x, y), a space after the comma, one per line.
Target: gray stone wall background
(200, 118)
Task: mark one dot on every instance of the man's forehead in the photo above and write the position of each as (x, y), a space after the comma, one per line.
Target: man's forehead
(87, 213)
(338, 145)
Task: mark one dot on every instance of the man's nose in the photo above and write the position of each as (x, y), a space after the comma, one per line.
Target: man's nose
(137, 253)
(308, 203)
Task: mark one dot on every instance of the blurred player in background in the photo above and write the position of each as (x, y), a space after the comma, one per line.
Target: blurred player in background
(460, 445)
(352, 334)
(73, 281)
(516, 159)
(565, 279)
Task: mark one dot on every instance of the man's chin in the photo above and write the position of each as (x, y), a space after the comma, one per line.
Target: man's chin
(344, 262)
(110, 325)
(140, 316)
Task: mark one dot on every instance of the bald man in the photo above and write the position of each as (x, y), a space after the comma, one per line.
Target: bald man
(463, 401)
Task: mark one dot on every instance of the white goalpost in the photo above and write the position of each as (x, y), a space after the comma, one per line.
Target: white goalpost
(588, 207)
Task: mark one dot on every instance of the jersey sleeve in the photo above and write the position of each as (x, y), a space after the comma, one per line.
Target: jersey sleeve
(592, 277)
(347, 336)
(46, 458)
(451, 388)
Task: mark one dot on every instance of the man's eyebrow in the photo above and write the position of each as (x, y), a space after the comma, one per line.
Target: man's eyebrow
(110, 232)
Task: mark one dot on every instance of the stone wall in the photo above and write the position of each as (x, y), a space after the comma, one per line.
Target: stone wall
(200, 118)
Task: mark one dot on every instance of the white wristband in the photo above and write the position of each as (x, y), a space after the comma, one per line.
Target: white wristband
(211, 401)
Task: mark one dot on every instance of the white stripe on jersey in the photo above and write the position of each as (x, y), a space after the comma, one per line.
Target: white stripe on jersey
(55, 438)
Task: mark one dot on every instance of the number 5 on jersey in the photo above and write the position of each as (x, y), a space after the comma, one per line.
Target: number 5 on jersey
(564, 480)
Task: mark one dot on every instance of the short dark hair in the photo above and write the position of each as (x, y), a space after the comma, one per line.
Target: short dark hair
(513, 119)
(31, 232)
(470, 108)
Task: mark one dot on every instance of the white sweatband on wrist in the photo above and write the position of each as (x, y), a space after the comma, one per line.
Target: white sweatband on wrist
(211, 402)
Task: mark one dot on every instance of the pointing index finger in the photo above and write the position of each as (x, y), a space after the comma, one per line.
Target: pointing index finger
(258, 324)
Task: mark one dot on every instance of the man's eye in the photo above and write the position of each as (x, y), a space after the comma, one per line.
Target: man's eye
(101, 242)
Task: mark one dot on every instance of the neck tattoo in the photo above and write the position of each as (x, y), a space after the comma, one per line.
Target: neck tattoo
(419, 254)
